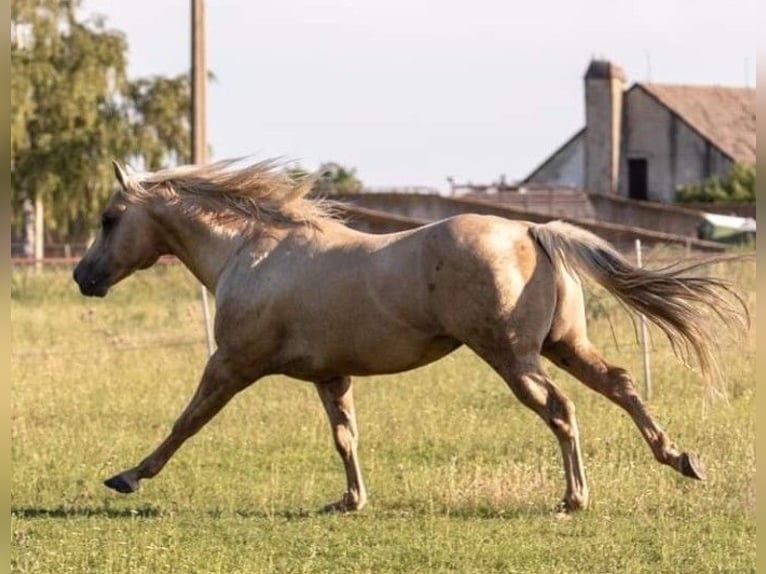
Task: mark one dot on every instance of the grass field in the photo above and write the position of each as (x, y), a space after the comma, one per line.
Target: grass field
(461, 477)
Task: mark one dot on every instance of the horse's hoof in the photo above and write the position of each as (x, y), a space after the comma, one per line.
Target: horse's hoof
(564, 510)
(335, 508)
(121, 483)
(347, 503)
(692, 467)
(571, 504)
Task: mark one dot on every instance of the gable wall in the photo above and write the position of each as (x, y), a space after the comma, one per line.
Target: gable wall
(676, 154)
(566, 167)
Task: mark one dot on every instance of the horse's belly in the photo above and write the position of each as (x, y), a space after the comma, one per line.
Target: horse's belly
(397, 358)
(385, 357)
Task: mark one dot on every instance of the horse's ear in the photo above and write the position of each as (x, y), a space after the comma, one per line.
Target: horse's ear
(120, 174)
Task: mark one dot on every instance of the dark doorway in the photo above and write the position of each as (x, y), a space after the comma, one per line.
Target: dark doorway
(638, 179)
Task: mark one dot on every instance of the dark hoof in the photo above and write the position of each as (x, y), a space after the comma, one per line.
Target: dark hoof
(335, 508)
(692, 467)
(566, 509)
(122, 484)
(347, 503)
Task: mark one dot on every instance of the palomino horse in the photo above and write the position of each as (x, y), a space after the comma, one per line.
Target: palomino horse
(298, 293)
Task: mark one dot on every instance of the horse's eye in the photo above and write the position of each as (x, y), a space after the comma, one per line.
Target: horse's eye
(108, 220)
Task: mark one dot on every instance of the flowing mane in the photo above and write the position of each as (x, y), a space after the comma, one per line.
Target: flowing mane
(264, 191)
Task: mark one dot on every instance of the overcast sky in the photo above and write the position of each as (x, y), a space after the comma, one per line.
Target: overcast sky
(412, 91)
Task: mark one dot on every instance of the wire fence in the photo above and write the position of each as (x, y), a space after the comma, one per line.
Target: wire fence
(640, 345)
(649, 260)
(629, 347)
(50, 262)
(154, 344)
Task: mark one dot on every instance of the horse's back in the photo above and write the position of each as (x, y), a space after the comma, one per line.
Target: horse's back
(457, 274)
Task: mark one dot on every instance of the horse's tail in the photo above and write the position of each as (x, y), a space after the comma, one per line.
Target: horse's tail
(678, 302)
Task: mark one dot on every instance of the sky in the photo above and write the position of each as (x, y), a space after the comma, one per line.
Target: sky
(410, 92)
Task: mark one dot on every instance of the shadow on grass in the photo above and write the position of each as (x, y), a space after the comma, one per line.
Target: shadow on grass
(386, 512)
(465, 512)
(403, 510)
(85, 512)
(64, 512)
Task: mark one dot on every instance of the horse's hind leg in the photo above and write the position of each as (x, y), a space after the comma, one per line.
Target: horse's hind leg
(338, 401)
(532, 386)
(579, 357)
(218, 385)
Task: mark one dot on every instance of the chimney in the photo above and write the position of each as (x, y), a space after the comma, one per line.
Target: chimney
(604, 85)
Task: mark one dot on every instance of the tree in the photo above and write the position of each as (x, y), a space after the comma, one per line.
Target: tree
(73, 110)
(161, 125)
(334, 179)
(737, 186)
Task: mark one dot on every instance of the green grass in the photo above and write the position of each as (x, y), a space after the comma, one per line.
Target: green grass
(461, 477)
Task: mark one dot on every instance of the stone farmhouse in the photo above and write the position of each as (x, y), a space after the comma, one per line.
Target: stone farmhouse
(644, 141)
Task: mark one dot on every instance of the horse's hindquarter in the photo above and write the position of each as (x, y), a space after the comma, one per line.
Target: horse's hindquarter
(359, 304)
(489, 281)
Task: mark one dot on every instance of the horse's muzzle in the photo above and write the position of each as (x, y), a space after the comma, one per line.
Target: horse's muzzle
(91, 285)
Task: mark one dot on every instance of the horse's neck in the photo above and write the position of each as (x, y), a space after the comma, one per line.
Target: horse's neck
(204, 246)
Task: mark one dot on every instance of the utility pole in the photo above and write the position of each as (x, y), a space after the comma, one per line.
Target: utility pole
(198, 84)
(199, 122)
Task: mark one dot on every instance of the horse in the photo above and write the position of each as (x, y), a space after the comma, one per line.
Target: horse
(299, 293)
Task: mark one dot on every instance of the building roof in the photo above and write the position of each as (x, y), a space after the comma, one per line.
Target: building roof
(578, 135)
(724, 116)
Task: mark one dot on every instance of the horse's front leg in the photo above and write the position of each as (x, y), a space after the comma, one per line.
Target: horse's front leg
(338, 400)
(220, 382)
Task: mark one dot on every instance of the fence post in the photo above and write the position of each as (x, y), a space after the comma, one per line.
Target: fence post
(206, 315)
(644, 337)
(39, 234)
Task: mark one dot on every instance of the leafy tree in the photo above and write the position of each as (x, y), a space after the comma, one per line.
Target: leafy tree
(334, 179)
(73, 110)
(737, 186)
(329, 179)
(161, 124)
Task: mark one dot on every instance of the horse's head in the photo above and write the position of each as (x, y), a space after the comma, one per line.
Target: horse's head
(125, 242)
